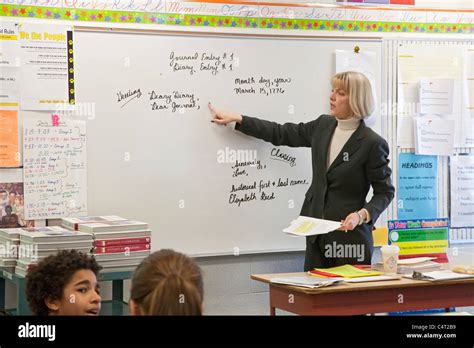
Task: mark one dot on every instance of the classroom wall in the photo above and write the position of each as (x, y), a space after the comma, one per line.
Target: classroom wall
(228, 287)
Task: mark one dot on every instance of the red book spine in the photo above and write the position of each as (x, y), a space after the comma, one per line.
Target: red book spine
(121, 241)
(440, 257)
(122, 248)
(321, 273)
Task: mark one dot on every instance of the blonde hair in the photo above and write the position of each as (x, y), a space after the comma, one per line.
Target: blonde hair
(357, 85)
(168, 283)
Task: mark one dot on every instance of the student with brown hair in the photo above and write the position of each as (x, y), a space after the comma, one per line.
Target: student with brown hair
(167, 283)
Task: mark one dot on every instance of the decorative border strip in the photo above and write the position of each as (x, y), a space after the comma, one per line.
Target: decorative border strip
(229, 21)
(70, 68)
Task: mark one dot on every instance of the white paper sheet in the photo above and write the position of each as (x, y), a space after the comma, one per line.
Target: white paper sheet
(44, 73)
(363, 62)
(462, 191)
(9, 45)
(441, 275)
(436, 96)
(306, 226)
(417, 63)
(9, 86)
(434, 136)
(468, 80)
(405, 132)
(415, 260)
(55, 176)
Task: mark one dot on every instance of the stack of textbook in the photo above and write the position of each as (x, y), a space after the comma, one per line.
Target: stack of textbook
(9, 240)
(410, 265)
(119, 244)
(36, 243)
(73, 222)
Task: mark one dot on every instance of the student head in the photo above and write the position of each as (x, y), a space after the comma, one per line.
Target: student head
(8, 210)
(167, 283)
(64, 284)
(3, 196)
(351, 95)
(11, 198)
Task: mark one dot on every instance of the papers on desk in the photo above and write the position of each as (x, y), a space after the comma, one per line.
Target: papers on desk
(312, 282)
(408, 266)
(371, 279)
(307, 226)
(345, 271)
(438, 275)
(307, 281)
(415, 260)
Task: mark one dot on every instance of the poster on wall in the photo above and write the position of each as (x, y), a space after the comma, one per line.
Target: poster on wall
(365, 63)
(46, 61)
(417, 186)
(9, 154)
(12, 206)
(54, 168)
(462, 191)
(420, 237)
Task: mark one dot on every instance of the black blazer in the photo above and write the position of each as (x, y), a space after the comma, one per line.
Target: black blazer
(340, 190)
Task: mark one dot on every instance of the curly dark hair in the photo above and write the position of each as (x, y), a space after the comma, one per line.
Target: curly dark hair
(49, 277)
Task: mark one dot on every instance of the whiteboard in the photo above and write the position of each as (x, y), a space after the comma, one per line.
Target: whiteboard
(174, 168)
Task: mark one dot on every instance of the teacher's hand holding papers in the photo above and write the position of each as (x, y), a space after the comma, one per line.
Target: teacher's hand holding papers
(305, 226)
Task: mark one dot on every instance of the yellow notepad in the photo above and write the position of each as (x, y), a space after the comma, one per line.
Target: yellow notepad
(348, 271)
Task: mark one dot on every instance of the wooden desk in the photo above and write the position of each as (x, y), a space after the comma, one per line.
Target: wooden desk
(371, 297)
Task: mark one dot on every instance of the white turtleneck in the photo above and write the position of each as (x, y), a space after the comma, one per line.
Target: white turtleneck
(342, 133)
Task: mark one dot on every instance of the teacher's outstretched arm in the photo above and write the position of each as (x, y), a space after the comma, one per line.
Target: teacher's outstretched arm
(288, 134)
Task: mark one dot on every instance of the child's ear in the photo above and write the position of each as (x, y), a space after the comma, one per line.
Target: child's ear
(53, 305)
(134, 308)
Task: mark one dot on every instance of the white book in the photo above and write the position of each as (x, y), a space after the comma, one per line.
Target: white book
(118, 269)
(36, 256)
(10, 233)
(122, 255)
(409, 268)
(420, 267)
(7, 263)
(307, 226)
(307, 281)
(20, 272)
(438, 275)
(121, 234)
(58, 245)
(10, 241)
(73, 222)
(120, 263)
(52, 234)
(414, 260)
(113, 226)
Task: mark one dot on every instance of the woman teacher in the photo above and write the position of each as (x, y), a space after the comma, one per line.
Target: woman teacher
(347, 158)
